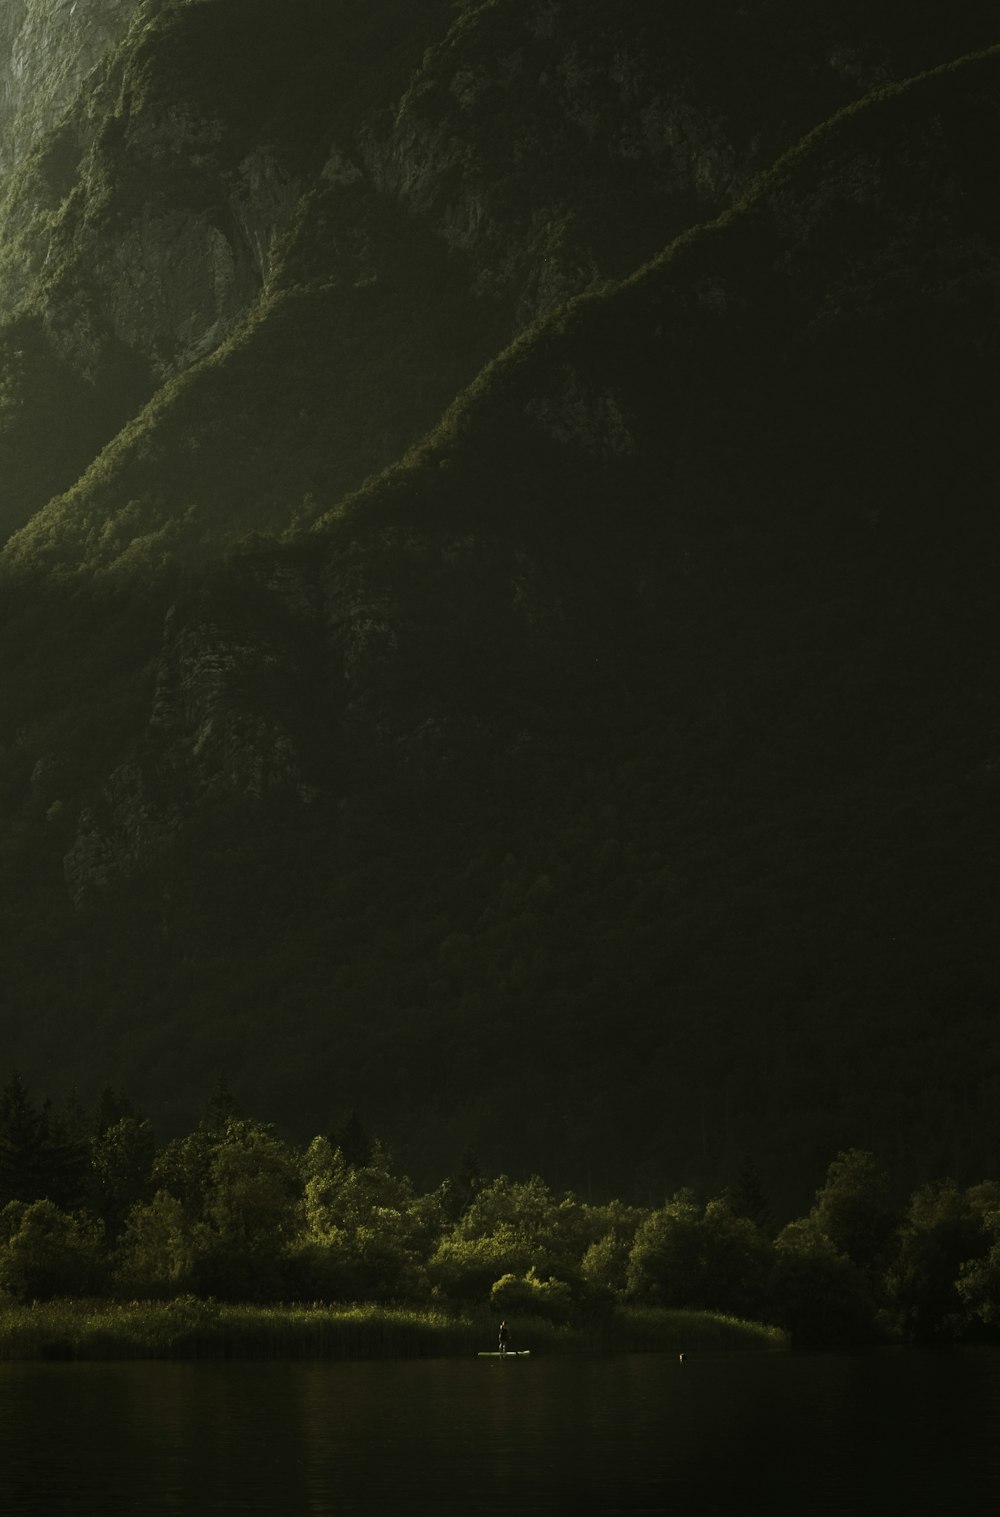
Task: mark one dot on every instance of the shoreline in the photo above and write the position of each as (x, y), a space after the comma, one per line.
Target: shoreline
(190, 1328)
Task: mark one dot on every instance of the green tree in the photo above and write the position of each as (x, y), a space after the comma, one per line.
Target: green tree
(609, 1235)
(160, 1247)
(220, 1108)
(942, 1232)
(183, 1168)
(121, 1163)
(529, 1295)
(817, 1294)
(604, 1266)
(708, 1259)
(554, 1232)
(745, 1197)
(353, 1141)
(38, 1158)
(460, 1189)
(978, 1284)
(251, 1212)
(239, 1189)
(339, 1194)
(45, 1252)
(853, 1209)
(366, 1235)
(465, 1269)
(254, 1187)
(112, 1106)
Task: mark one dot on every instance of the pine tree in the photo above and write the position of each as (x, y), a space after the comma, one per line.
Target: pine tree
(21, 1144)
(38, 1157)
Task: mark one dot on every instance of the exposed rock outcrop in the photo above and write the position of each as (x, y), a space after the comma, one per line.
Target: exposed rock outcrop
(47, 49)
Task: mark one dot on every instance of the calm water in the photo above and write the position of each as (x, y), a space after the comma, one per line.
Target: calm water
(888, 1433)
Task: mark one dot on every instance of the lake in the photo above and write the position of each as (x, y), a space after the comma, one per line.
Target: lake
(885, 1432)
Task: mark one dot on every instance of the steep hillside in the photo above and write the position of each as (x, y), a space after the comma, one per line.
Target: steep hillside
(619, 762)
(304, 239)
(47, 50)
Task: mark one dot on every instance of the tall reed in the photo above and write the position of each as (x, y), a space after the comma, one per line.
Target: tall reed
(189, 1328)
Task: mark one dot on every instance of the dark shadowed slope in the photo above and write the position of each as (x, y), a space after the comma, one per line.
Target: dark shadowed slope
(610, 784)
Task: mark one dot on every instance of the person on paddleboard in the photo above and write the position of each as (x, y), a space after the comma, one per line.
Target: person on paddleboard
(502, 1338)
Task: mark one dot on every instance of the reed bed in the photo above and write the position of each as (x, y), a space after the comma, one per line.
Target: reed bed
(652, 1329)
(189, 1328)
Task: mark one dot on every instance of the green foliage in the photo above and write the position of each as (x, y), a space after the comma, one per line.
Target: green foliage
(745, 1197)
(817, 1294)
(978, 1285)
(605, 1264)
(519, 1236)
(159, 1250)
(254, 1187)
(249, 1206)
(366, 1234)
(238, 1214)
(183, 1169)
(531, 1296)
(708, 1259)
(940, 1271)
(187, 1327)
(465, 1269)
(343, 1195)
(657, 1329)
(39, 1159)
(853, 1209)
(121, 1163)
(45, 1252)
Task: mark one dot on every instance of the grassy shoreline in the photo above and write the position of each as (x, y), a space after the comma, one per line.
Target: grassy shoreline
(189, 1328)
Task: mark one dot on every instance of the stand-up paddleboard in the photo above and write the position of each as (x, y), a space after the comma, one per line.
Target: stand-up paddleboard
(512, 1353)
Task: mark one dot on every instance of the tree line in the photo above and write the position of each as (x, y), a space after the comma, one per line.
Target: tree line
(91, 1206)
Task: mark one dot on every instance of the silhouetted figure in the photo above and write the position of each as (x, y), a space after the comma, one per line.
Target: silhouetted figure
(502, 1338)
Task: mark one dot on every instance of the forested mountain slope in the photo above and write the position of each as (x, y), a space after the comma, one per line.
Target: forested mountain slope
(608, 783)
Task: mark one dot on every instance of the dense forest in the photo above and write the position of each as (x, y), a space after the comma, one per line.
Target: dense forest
(91, 1206)
(497, 620)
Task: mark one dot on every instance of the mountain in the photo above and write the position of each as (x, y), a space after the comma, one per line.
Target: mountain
(497, 617)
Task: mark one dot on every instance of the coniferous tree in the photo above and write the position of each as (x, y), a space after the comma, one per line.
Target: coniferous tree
(221, 1107)
(22, 1144)
(39, 1159)
(353, 1141)
(112, 1106)
(745, 1197)
(65, 1160)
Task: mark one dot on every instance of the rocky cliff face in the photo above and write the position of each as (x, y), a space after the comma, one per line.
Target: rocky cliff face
(523, 157)
(125, 228)
(47, 50)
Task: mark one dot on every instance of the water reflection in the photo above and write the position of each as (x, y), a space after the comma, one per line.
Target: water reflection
(879, 1433)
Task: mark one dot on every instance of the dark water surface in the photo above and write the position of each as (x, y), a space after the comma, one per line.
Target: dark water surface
(885, 1433)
